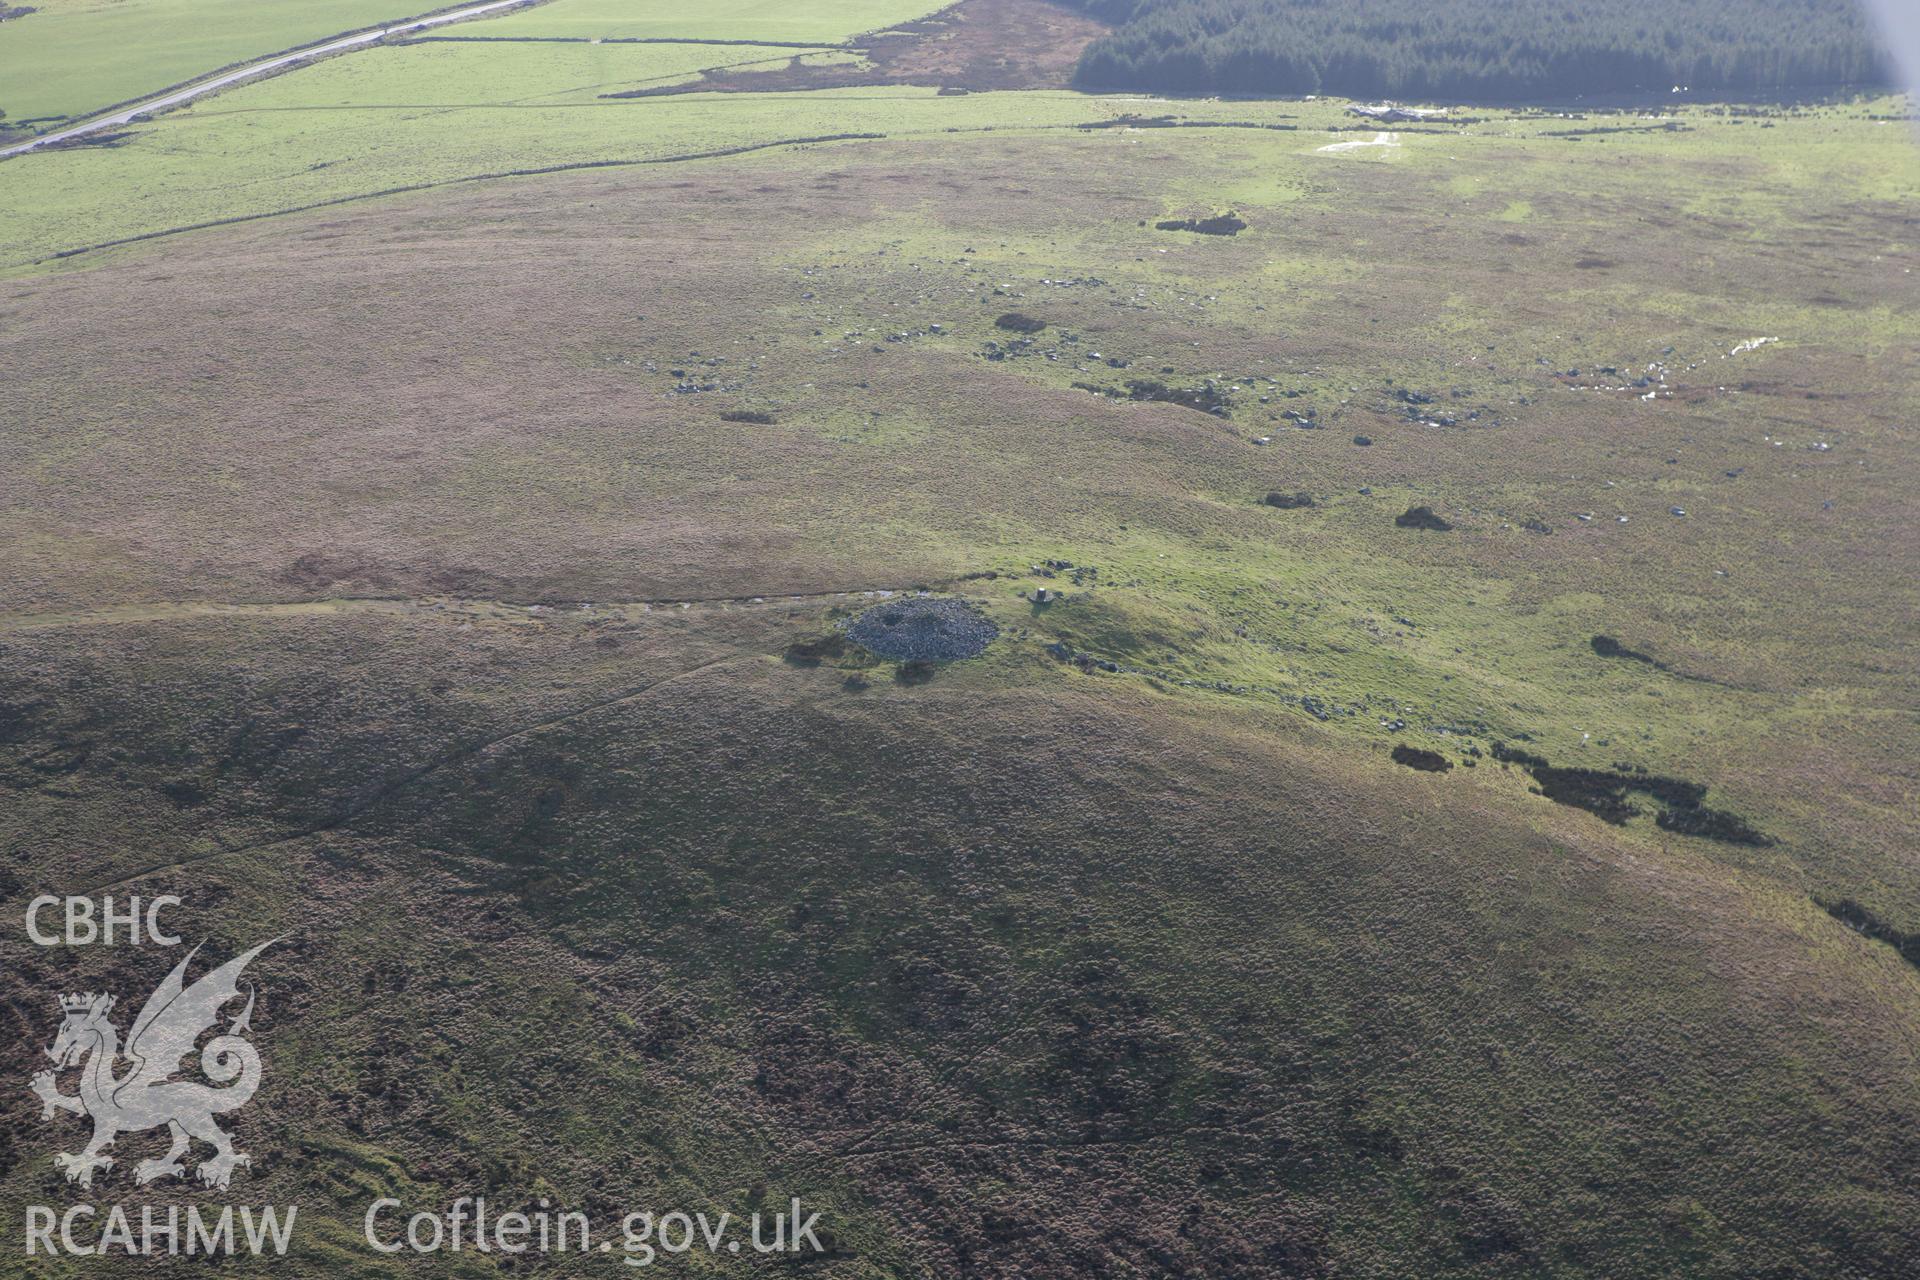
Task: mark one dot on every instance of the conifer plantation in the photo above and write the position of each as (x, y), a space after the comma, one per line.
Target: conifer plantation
(1483, 49)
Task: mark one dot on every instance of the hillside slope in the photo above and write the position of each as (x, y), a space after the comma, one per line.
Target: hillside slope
(1439, 799)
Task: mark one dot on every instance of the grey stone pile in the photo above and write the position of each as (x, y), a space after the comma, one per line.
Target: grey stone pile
(923, 629)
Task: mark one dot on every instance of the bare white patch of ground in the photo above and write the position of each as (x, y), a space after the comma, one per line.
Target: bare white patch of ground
(1378, 140)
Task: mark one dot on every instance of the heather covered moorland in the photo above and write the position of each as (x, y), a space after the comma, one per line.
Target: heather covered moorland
(783, 601)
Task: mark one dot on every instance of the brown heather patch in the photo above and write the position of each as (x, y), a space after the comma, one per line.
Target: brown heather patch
(975, 45)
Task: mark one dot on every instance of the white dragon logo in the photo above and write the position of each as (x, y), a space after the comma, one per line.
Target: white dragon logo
(144, 1096)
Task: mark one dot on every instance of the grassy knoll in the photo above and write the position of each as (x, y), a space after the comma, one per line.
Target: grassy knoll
(420, 576)
(948, 958)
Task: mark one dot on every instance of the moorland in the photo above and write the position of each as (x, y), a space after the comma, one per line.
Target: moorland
(1439, 798)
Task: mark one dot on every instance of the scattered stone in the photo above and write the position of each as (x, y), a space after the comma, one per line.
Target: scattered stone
(1288, 501)
(1204, 399)
(1225, 224)
(1363, 441)
(753, 416)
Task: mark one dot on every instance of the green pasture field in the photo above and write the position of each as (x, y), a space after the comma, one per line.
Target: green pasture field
(804, 21)
(392, 83)
(72, 58)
